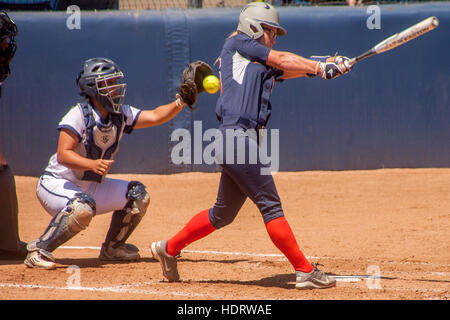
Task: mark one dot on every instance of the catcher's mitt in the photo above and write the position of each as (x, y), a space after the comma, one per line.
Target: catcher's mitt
(191, 83)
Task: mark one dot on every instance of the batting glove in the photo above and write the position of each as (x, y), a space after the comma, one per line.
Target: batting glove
(331, 70)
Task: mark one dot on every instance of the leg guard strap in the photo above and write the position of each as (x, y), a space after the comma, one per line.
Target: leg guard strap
(124, 221)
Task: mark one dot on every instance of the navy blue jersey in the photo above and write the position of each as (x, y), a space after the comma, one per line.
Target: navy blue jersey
(246, 83)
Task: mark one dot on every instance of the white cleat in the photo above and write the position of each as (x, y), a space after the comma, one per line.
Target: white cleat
(39, 258)
(316, 279)
(168, 263)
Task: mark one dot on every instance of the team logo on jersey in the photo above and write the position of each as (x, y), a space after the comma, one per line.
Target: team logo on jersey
(105, 139)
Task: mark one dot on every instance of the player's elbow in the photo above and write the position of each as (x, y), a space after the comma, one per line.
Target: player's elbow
(60, 157)
(292, 65)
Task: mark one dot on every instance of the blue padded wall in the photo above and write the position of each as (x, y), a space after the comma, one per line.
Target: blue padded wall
(392, 110)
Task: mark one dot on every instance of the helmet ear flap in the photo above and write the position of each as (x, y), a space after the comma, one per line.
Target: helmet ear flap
(256, 28)
(77, 80)
(256, 13)
(250, 26)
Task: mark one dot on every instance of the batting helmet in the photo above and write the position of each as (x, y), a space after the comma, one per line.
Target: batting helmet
(254, 15)
(98, 80)
(8, 46)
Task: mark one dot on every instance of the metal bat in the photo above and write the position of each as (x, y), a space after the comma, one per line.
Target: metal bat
(399, 38)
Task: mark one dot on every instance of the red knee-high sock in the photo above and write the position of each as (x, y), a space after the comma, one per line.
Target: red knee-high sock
(282, 236)
(198, 227)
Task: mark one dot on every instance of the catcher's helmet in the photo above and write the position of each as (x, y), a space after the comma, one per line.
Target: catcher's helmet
(8, 46)
(98, 80)
(254, 15)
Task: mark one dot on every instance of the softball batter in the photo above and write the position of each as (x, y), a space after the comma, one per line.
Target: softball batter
(73, 188)
(248, 69)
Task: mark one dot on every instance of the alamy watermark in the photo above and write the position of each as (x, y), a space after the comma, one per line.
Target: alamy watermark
(374, 20)
(74, 280)
(73, 21)
(235, 146)
(374, 281)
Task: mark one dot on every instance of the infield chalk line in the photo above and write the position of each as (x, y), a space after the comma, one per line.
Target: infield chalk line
(225, 253)
(127, 289)
(228, 253)
(115, 289)
(130, 288)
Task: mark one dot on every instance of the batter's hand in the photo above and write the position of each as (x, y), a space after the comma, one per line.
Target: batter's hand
(101, 166)
(345, 61)
(331, 70)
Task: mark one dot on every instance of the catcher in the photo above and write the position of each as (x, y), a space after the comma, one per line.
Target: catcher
(11, 248)
(74, 187)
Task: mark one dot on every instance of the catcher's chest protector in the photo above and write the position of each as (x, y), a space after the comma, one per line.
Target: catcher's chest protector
(101, 141)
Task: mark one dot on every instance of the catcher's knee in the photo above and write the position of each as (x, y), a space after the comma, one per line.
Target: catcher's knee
(138, 198)
(83, 209)
(69, 221)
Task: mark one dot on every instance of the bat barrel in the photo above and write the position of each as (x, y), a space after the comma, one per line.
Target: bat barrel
(408, 34)
(399, 38)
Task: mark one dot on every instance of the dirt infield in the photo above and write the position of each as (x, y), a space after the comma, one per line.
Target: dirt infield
(384, 234)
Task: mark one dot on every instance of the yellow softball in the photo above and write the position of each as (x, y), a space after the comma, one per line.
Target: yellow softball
(211, 84)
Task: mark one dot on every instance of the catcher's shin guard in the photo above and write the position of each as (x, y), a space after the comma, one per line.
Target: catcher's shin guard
(124, 221)
(73, 218)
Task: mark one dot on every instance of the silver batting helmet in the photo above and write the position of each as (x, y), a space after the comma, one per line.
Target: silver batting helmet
(254, 15)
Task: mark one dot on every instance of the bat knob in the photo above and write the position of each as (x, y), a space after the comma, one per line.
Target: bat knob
(435, 21)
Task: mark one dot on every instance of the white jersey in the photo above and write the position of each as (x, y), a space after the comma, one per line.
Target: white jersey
(97, 140)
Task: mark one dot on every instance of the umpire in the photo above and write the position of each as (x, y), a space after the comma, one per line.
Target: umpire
(11, 248)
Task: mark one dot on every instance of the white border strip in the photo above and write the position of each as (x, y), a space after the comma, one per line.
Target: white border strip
(129, 289)
(117, 289)
(226, 253)
(277, 255)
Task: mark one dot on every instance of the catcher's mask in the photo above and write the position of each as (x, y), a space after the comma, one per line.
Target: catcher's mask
(99, 80)
(8, 46)
(256, 14)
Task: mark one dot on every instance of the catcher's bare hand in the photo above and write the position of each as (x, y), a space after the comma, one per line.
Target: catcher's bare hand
(101, 166)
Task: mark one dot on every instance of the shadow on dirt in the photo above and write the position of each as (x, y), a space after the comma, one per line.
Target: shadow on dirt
(226, 261)
(10, 262)
(285, 281)
(95, 262)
